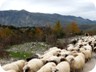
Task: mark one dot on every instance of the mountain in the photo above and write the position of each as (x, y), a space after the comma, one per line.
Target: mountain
(24, 18)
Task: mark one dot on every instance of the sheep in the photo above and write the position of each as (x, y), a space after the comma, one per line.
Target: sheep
(17, 65)
(65, 53)
(87, 46)
(94, 49)
(75, 53)
(80, 41)
(86, 34)
(33, 65)
(87, 53)
(55, 59)
(94, 46)
(74, 41)
(46, 56)
(81, 54)
(2, 70)
(49, 67)
(52, 49)
(76, 63)
(33, 56)
(63, 66)
(69, 58)
(53, 52)
(80, 61)
(11, 71)
(63, 50)
(70, 47)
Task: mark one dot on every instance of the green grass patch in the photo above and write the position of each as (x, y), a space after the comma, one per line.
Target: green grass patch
(20, 55)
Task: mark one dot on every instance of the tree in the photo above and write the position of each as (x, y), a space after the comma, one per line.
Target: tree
(38, 34)
(58, 30)
(72, 28)
(5, 32)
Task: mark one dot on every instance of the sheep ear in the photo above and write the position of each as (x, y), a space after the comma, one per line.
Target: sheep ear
(78, 50)
(80, 45)
(56, 70)
(66, 55)
(90, 42)
(58, 55)
(71, 60)
(62, 59)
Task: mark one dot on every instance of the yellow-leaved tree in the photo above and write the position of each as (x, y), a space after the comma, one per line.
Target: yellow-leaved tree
(73, 28)
(38, 33)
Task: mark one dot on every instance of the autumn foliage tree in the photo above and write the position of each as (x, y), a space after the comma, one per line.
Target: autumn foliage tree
(72, 28)
(5, 32)
(38, 34)
(6, 36)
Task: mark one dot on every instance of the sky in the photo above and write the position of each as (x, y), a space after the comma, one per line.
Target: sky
(82, 8)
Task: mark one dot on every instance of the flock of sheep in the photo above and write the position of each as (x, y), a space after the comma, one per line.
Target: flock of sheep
(71, 59)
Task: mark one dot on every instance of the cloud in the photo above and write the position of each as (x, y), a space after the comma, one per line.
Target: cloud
(84, 8)
(94, 2)
(1, 2)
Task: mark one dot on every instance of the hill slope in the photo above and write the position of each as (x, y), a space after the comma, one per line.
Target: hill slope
(24, 18)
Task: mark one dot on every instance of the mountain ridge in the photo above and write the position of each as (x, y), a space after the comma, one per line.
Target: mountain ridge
(23, 18)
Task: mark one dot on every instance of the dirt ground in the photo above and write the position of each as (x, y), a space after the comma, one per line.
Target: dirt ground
(90, 64)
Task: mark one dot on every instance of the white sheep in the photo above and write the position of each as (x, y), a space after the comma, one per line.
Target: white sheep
(33, 65)
(79, 62)
(80, 41)
(70, 47)
(49, 67)
(53, 52)
(65, 53)
(11, 71)
(47, 56)
(63, 50)
(88, 47)
(87, 53)
(52, 49)
(17, 65)
(76, 63)
(2, 70)
(63, 66)
(69, 58)
(56, 59)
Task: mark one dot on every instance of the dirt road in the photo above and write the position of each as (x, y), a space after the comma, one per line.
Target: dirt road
(90, 64)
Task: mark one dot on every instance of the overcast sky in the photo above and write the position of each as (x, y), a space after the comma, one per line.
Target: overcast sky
(82, 8)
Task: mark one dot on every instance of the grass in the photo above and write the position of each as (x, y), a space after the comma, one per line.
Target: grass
(23, 51)
(19, 55)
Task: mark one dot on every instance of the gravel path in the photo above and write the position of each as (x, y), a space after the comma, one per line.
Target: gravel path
(90, 64)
